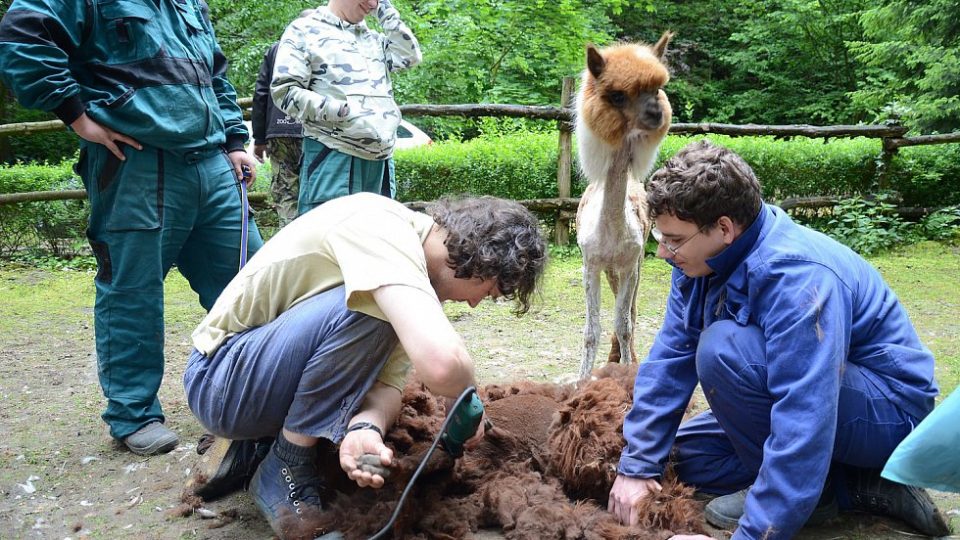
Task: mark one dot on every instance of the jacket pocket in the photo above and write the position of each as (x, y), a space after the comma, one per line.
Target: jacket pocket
(188, 13)
(735, 306)
(130, 31)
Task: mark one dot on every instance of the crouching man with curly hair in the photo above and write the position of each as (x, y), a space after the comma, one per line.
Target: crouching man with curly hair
(314, 337)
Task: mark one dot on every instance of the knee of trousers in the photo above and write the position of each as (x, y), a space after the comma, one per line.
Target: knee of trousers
(725, 349)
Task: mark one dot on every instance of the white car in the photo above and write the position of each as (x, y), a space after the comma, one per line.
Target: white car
(408, 136)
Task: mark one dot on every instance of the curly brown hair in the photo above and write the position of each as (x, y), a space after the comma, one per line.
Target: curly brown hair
(702, 183)
(495, 238)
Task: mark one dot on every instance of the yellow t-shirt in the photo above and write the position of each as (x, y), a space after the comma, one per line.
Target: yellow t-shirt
(362, 241)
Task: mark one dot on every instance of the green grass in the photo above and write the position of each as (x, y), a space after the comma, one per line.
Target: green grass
(543, 345)
(926, 277)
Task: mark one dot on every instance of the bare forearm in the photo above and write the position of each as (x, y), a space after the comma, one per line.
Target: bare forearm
(430, 341)
(381, 407)
(453, 376)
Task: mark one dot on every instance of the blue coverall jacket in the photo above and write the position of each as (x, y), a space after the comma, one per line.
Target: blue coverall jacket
(820, 307)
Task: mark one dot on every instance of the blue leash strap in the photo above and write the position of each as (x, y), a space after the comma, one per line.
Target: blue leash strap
(245, 217)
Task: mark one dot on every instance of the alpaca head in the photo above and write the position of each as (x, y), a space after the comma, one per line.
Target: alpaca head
(621, 91)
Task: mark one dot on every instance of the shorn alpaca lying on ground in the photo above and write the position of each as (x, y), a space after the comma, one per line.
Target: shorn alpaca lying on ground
(622, 117)
(543, 471)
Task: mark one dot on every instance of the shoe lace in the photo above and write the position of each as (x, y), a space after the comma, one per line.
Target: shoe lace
(305, 485)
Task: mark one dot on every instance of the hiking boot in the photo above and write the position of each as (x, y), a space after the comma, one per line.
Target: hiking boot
(287, 489)
(205, 442)
(227, 466)
(725, 512)
(151, 440)
(869, 492)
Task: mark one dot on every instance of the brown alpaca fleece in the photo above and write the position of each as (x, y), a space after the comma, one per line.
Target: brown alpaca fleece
(555, 392)
(586, 439)
(624, 374)
(510, 481)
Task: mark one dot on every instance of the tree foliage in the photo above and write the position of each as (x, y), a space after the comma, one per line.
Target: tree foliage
(497, 51)
(912, 55)
(246, 29)
(737, 61)
(761, 61)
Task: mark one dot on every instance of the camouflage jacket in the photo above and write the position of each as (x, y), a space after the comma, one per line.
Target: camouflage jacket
(335, 78)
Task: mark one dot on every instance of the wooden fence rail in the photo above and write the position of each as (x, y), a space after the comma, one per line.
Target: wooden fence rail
(892, 136)
(894, 132)
(563, 206)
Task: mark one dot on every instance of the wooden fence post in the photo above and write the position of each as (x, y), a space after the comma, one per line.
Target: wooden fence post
(564, 165)
(886, 161)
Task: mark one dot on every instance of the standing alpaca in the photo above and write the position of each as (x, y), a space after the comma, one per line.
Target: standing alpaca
(622, 116)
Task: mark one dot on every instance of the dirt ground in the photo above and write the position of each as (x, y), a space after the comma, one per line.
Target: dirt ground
(62, 477)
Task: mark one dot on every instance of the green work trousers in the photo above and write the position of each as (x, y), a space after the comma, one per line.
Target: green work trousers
(153, 210)
(326, 174)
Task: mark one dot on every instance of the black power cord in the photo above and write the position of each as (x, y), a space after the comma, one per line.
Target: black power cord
(403, 496)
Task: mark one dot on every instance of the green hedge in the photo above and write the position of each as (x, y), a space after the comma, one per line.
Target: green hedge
(34, 177)
(524, 167)
(56, 226)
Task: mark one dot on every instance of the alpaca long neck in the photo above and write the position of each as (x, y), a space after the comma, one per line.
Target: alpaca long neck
(616, 178)
(615, 188)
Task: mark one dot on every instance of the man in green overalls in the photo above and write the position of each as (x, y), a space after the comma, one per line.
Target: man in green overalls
(143, 84)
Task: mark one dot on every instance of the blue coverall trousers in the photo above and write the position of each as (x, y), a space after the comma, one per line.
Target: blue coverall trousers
(156, 208)
(720, 451)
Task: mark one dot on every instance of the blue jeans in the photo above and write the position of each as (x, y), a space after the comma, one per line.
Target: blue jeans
(720, 451)
(307, 371)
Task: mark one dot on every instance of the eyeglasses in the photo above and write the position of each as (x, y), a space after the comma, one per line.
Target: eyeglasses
(673, 249)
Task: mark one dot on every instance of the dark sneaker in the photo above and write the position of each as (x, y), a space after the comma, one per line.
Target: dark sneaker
(227, 467)
(151, 440)
(288, 495)
(869, 492)
(725, 512)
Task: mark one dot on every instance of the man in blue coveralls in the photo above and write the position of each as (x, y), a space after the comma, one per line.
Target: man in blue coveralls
(810, 365)
(144, 85)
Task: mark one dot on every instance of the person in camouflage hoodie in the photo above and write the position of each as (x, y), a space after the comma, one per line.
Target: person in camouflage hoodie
(332, 73)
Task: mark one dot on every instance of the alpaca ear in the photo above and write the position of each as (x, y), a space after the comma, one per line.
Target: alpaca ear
(595, 61)
(660, 48)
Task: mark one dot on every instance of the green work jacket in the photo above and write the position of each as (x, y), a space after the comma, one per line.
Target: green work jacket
(150, 69)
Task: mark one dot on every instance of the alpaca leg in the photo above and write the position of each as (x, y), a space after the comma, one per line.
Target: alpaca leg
(624, 313)
(633, 311)
(591, 328)
(614, 280)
